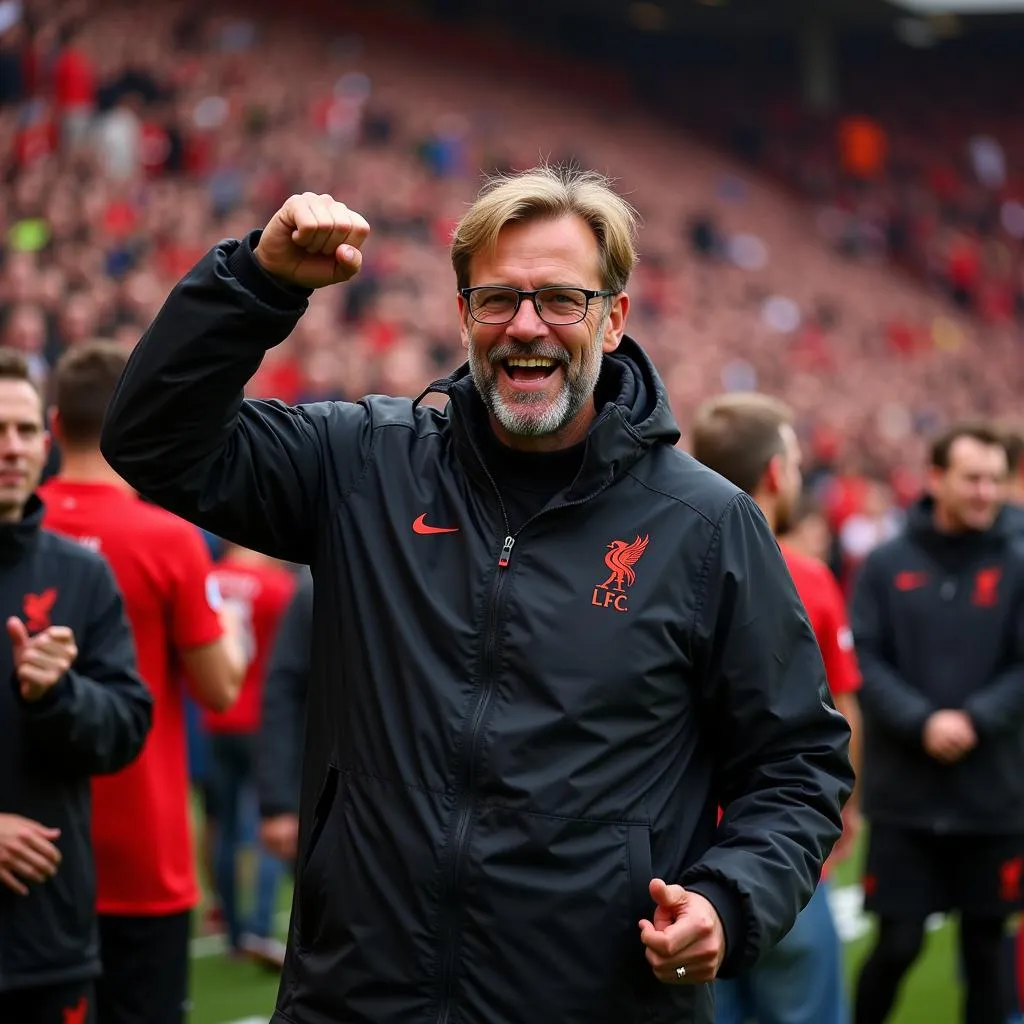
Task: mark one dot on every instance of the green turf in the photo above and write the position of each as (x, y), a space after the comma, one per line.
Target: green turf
(224, 991)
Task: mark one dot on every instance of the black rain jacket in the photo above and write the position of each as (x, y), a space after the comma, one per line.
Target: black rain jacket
(508, 735)
(279, 750)
(94, 721)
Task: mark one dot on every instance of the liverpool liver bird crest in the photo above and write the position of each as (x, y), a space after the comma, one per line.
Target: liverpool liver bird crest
(621, 558)
(37, 608)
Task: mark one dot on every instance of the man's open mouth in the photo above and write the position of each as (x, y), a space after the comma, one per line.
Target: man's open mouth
(529, 370)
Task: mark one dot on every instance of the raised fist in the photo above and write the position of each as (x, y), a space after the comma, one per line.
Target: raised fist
(313, 241)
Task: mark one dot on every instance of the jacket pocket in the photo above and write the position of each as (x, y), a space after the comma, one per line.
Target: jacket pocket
(640, 870)
(312, 874)
(556, 900)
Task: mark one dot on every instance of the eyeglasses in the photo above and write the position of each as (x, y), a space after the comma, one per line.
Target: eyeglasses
(558, 307)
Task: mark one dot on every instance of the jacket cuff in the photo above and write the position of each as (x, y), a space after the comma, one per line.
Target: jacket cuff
(729, 906)
(48, 700)
(269, 290)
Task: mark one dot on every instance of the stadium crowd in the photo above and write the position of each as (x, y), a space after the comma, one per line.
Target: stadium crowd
(131, 144)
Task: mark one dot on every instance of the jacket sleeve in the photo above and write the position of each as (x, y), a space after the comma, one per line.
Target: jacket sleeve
(781, 750)
(885, 696)
(279, 752)
(96, 719)
(179, 429)
(998, 707)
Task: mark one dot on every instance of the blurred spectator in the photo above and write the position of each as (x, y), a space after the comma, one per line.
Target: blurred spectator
(74, 88)
(875, 522)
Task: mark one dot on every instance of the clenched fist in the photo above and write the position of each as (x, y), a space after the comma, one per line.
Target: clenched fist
(40, 661)
(313, 241)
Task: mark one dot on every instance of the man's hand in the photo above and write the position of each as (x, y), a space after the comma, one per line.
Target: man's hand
(40, 661)
(949, 735)
(26, 852)
(686, 932)
(313, 241)
(280, 836)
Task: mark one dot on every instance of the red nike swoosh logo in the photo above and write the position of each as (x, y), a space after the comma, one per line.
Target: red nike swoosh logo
(420, 526)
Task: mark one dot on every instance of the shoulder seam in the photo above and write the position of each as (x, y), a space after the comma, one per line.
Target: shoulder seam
(674, 497)
(700, 585)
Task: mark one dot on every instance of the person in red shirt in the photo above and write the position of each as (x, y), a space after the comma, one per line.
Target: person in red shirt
(74, 88)
(258, 589)
(146, 877)
(749, 439)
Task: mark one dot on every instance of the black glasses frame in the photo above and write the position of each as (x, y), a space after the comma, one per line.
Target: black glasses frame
(589, 293)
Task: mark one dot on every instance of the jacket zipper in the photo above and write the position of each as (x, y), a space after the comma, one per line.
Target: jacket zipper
(462, 822)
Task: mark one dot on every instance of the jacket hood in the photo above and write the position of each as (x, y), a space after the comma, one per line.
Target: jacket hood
(921, 522)
(633, 413)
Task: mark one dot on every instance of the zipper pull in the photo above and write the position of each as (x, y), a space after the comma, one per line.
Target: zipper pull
(506, 553)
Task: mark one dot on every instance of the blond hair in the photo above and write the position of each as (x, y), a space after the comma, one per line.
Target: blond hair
(738, 434)
(546, 193)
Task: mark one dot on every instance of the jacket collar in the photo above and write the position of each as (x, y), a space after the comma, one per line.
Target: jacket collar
(17, 538)
(921, 524)
(633, 415)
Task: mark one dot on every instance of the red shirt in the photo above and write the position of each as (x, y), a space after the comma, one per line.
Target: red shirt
(142, 838)
(260, 595)
(74, 81)
(826, 609)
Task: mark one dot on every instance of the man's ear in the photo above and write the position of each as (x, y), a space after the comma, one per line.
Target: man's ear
(774, 474)
(464, 321)
(616, 324)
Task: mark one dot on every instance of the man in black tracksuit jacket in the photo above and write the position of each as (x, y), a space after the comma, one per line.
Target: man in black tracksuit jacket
(536, 674)
(71, 706)
(279, 750)
(938, 622)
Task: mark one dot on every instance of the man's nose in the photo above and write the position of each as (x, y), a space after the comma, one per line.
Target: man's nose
(526, 324)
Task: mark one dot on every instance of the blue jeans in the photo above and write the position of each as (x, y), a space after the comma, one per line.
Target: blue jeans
(800, 981)
(233, 810)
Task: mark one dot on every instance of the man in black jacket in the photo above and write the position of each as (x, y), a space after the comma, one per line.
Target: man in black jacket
(547, 644)
(938, 622)
(72, 706)
(279, 751)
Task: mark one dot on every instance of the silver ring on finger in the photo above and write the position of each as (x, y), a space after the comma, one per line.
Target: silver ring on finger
(680, 972)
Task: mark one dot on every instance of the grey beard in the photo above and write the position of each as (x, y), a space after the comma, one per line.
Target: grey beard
(520, 419)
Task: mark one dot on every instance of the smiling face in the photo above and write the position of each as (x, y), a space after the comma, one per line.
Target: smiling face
(536, 380)
(968, 493)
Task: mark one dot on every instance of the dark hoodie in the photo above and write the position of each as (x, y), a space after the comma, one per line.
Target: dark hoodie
(94, 721)
(938, 622)
(514, 721)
